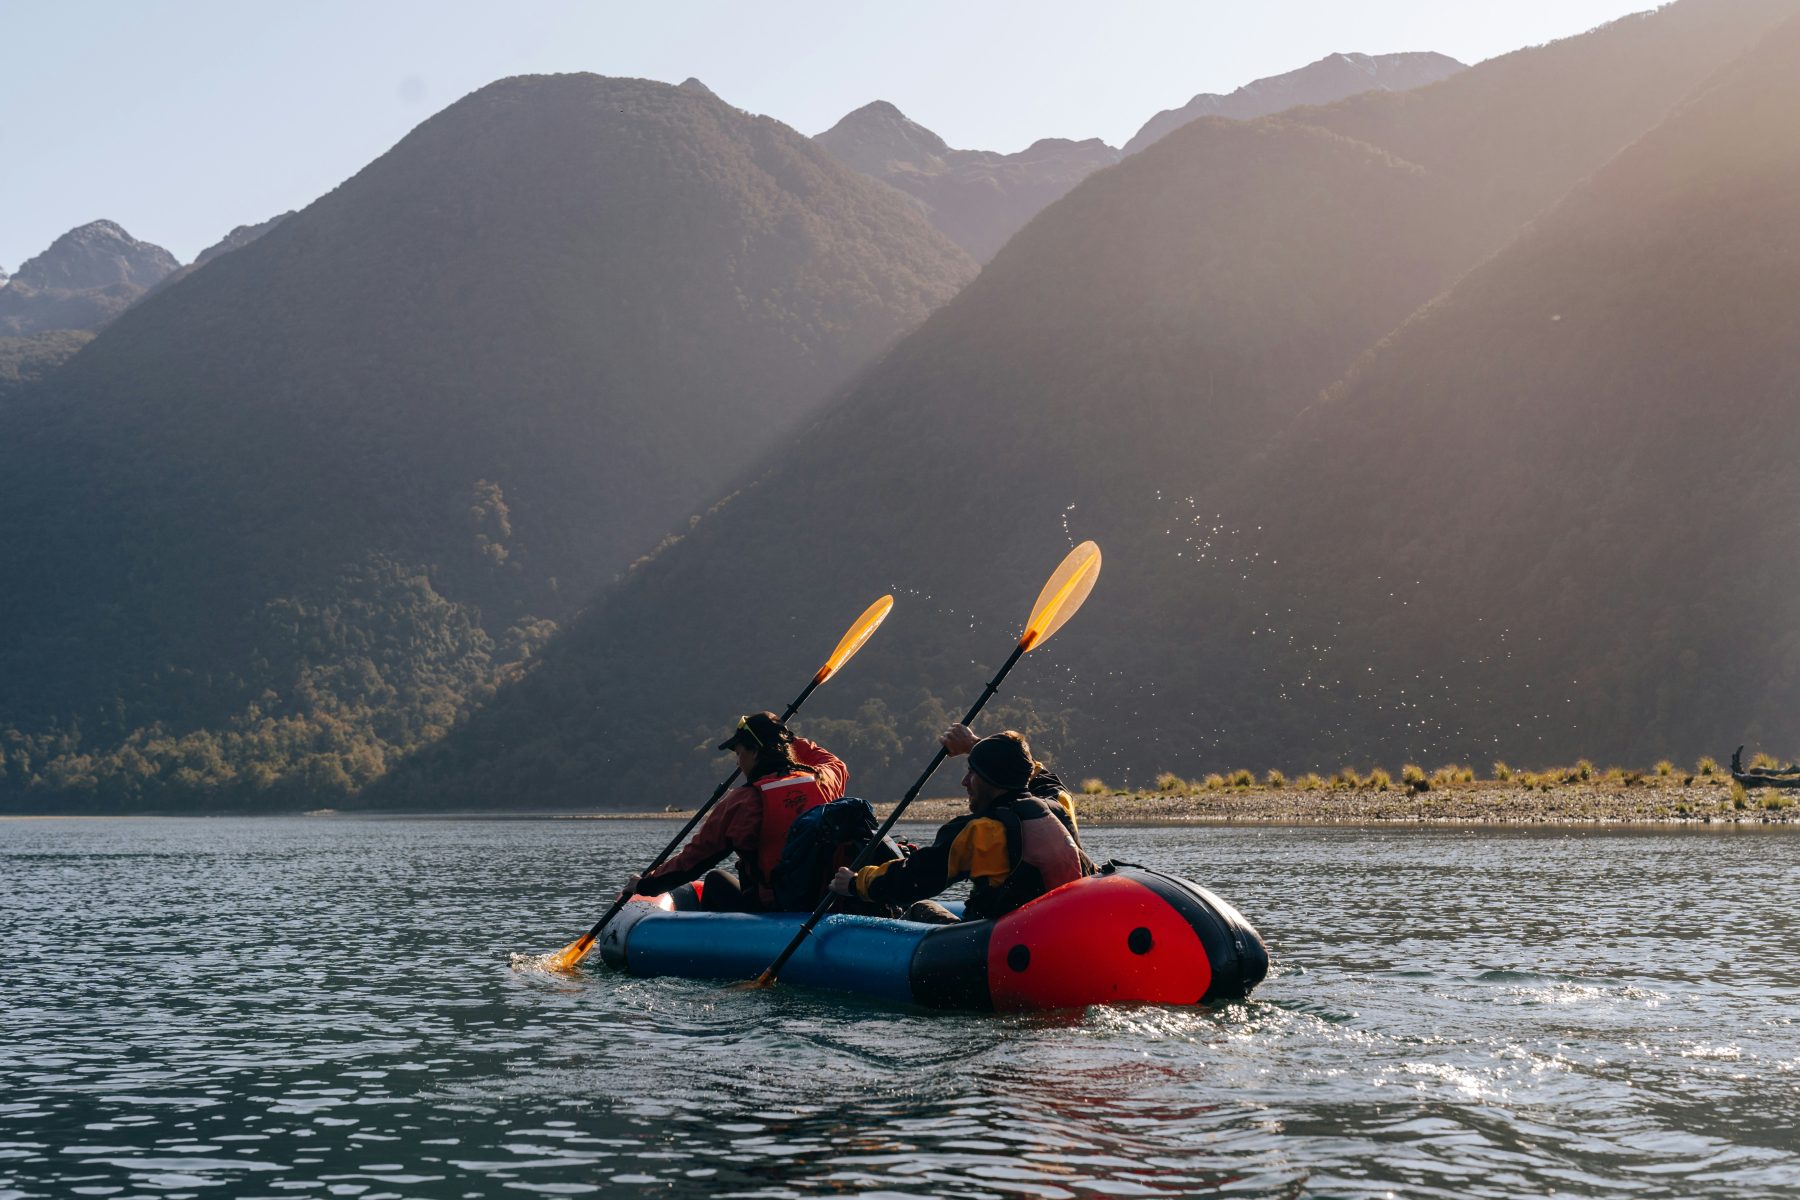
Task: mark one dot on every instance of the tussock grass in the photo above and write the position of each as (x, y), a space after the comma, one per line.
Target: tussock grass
(1093, 787)
(1707, 766)
(1739, 797)
(1379, 779)
(1412, 774)
(1664, 768)
(1502, 772)
(1275, 779)
(1764, 762)
(1346, 778)
(1169, 781)
(1214, 782)
(1241, 779)
(1312, 780)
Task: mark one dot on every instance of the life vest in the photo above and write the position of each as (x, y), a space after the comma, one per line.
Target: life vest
(783, 798)
(1042, 848)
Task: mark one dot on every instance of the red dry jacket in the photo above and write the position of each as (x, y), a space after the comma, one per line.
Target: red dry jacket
(752, 821)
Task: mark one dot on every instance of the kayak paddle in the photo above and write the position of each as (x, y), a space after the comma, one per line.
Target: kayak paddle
(1062, 595)
(852, 641)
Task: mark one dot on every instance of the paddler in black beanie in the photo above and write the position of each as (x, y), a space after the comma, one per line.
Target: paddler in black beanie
(1018, 841)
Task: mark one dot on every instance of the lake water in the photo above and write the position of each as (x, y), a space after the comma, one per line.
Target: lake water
(296, 1008)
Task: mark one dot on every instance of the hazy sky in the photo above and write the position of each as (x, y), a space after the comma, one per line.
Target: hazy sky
(182, 118)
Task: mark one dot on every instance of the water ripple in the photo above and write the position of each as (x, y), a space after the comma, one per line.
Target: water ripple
(290, 1007)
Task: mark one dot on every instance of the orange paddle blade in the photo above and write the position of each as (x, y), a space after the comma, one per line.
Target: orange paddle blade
(1063, 595)
(570, 955)
(853, 640)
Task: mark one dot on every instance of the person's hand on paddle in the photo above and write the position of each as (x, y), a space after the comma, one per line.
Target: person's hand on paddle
(958, 740)
(630, 888)
(844, 882)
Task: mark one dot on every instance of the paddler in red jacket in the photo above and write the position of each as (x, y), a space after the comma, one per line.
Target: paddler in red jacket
(1018, 841)
(786, 776)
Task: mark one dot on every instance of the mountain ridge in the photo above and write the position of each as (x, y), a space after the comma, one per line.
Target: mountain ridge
(1130, 346)
(1324, 81)
(350, 473)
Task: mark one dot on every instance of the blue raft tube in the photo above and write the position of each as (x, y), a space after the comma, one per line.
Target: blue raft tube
(1125, 935)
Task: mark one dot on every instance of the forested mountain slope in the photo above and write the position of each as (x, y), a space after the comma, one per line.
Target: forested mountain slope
(287, 516)
(1131, 347)
(1558, 508)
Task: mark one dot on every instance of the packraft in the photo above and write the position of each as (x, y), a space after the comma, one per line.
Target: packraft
(1127, 934)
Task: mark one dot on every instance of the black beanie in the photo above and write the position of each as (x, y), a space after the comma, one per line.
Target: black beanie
(1004, 760)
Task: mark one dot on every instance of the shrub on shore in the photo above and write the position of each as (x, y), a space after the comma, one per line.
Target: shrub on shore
(1092, 787)
(1169, 781)
(1275, 779)
(1347, 778)
(1502, 772)
(1412, 774)
(1379, 779)
(1214, 782)
(1241, 779)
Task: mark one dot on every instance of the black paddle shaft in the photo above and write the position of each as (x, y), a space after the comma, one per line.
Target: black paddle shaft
(912, 794)
(694, 820)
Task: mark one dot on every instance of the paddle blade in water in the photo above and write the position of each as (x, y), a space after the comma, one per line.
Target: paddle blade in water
(571, 955)
(852, 641)
(1065, 592)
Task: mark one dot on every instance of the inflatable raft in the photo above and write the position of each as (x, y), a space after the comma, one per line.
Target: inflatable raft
(1125, 935)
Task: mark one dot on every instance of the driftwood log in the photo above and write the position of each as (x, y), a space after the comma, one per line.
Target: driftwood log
(1775, 777)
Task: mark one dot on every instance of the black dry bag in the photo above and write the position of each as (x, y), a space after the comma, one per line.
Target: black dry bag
(820, 841)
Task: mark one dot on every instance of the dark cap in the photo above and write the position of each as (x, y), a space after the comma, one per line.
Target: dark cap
(1004, 760)
(758, 731)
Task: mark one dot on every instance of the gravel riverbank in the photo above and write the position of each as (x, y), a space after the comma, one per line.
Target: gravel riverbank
(1650, 800)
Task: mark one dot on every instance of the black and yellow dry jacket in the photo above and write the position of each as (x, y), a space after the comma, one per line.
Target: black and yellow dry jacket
(1019, 848)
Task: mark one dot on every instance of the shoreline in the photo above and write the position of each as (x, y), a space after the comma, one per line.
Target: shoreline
(1662, 802)
(1707, 803)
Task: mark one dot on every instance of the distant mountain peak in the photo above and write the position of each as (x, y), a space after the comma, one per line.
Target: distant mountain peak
(877, 110)
(691, 84)
(87, 277)
(878, 135)
(98, 254)
(980, 198)
(1330, 79)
